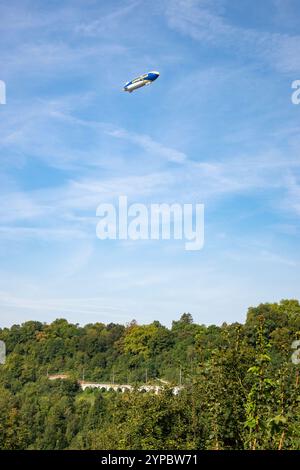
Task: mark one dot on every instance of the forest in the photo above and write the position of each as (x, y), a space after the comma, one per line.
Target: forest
(240, 386)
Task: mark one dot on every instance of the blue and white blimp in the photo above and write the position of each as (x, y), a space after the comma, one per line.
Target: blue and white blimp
(143, 80)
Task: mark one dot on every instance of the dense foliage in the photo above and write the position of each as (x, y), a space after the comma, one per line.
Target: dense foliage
(241, 388)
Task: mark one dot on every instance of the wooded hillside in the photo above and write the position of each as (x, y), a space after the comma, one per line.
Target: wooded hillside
(241, 388)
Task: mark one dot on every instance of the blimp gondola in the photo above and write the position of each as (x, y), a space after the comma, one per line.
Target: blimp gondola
(141, 81)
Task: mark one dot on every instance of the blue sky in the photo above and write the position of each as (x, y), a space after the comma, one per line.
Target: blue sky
(218, 127)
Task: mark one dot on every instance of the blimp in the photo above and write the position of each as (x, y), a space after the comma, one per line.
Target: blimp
(141, 81)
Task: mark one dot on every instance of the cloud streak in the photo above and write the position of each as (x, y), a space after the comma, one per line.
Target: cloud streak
(203, 21)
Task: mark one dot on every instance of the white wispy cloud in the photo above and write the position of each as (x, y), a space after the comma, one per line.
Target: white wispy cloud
(71, 206)
(205, 21)
(100, 25)
(27, 133)
(149, 145)
(84, 306)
